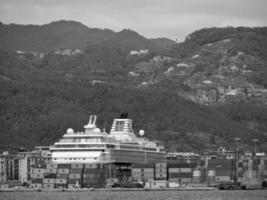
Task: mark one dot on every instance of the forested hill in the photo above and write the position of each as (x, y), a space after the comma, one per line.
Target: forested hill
(70, 34)
(44, 94)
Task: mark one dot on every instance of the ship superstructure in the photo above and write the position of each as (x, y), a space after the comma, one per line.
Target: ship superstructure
(96, 146)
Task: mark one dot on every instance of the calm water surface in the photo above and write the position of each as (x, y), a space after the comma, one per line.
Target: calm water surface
(138, 195)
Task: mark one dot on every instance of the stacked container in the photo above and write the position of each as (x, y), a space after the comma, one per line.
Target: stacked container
(75, 175)
(37, 174)
(50, 175)
(143, 172)
(181, 172)
(161, 171)
(94, 175)
(199, 175)
(222, 169)
(62, 176)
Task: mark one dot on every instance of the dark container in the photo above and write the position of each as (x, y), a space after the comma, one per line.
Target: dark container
(37, 180)
(180, 175)
(182, 165)
(50, 175)
(62, 176)
(74, 181)
(76, 171)
(63, 166)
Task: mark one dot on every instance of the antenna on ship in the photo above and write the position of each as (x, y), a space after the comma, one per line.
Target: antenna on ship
(141, 133)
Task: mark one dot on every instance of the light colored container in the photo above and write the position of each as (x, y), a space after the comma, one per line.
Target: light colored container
(48, 185)
(160, 175)
(38, 170)
(161, 170)
(211, 173)
(91, 165)
(51, 166)
(77, 165)
(75, 176)
(142, 170)
(63, 171)
(180, 170)
(60, 181)
(142, 175)
(222, 178)
(196, 173)
(37, 175)
(156, 184)
(48, 180)
(50, 171)
(174, 184)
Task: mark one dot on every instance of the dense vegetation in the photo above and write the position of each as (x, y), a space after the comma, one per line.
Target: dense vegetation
(41, 98)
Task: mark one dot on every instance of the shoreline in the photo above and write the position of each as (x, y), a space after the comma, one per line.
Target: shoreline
(109, 189)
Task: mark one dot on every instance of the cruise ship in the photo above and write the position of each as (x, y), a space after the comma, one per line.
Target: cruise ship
(92, 145)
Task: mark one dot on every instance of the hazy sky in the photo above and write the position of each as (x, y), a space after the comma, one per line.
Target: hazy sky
(151, 18)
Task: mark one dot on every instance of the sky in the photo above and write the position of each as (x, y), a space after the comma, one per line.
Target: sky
(174, 19)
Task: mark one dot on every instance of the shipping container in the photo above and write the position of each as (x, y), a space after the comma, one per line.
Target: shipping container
(143, 170)
(37, 175)
(39, 164)
(76, 171)
(93, 176)
(63, 166)
(63, 171)
(77, 166)
(142, 175)
(211, 172)
(160, 170)
(226, 164)
(61, 186)
(222, 178)
(156, 184)
(186, 180)
(51, 165)
(143, 165)
(73, 186)
(46, 175)
(51, 171)
(160, 175)
(197, 173)
(38, 170)
(96, 170)
(196, 179)
(48, 185)
(161, 165)
(60, 181)
(91, 166)
(37, 180)
(37, 185)
(48, 180)
(224, 172)
(75, 181)
(180, 170)
(182, 165)
(64, 176)
(180, 175)
(74, 176)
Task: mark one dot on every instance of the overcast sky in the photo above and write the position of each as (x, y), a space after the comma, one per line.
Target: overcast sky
(151, 18)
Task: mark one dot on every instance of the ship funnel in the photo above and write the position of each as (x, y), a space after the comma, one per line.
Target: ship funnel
(91, 123)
